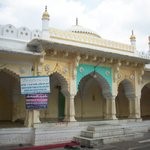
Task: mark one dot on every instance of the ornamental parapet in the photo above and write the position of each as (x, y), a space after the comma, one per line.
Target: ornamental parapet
(90, 40)
(22, 33)
(143, 54)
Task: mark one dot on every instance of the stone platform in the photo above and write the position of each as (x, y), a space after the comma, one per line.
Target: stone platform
(99, 134)
(87, 133)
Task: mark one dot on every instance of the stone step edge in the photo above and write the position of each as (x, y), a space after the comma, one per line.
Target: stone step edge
(99, 136)
(117, 134)
(118, 129)
(103, 138)
(113, 128)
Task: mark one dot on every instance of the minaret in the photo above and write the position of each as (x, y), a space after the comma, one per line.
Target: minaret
(45, 24)
(149, 44)
(133, 39)
(76, 21)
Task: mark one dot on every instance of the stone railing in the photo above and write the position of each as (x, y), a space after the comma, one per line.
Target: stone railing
(143, 54)
(22, 33)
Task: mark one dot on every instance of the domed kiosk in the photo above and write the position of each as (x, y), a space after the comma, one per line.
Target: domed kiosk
(82, 30)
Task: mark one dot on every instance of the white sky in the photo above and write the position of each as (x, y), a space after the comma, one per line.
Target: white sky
(111, 19)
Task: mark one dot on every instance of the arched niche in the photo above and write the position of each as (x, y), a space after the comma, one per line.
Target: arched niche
(145, 102)
(11, 98)
(56, 101)
(125, 94)
(90, 101)
(85, 69)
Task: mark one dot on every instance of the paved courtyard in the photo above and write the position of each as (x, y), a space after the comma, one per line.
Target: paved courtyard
(136, 144)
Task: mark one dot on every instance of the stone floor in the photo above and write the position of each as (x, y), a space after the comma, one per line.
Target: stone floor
(136, 144)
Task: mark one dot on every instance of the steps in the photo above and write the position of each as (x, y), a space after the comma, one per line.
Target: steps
(97, 135)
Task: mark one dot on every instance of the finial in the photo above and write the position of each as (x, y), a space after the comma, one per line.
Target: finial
(132, 32)
(45, 15)
(132, 37)
(149, 43)
(46, 8)
(76, 21)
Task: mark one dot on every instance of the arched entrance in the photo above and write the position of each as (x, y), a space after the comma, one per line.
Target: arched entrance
(145, 102)
(90, 103)
(12, 104)
(56, 101)
(125, 92)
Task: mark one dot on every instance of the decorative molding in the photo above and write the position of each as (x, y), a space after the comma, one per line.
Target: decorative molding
(140, 75)
(107, 73)
(86, 57)
(81, 69)
(90, 40)
(94, 58)
(116, 69)
(110, 60)
(54, 53)
(132, 77)
(103, 59)
(75, 65)
(47, 68)
(66, 54)
(124, 74)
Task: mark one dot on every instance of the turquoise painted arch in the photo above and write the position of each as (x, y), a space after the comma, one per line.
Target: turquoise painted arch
(85, 69)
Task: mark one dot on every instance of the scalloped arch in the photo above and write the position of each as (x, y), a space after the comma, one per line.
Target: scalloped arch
(85, 69)
(146, 84)
(11, 73)
(128, 88)
(60, 79)
(106, 89)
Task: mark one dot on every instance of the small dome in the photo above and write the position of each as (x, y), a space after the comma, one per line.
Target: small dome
(45, 15)
(79, 29)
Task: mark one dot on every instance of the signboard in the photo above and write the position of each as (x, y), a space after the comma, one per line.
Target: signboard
(36, 101)
(35, 85)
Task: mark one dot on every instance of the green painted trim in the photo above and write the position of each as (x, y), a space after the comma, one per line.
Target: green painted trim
(85, 69)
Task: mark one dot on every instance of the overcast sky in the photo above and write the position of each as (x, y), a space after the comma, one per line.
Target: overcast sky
(111, 19)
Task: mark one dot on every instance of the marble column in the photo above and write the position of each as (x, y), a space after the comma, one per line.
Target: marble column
(110, 108)
(134, 108)
(69, 109)
(32, 117)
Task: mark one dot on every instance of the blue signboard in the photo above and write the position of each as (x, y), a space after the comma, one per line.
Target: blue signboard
(36, 101)
(35, 84)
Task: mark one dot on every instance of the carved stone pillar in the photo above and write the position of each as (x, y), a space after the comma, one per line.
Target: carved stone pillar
(69, 109)
(110, 108)
(134, 108)
(32, 117)
(28, 119)
(15, 98)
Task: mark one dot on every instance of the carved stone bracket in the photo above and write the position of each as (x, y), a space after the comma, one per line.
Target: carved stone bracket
(141, 73)
(75, 65)
(116, 70)
(41, 60)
